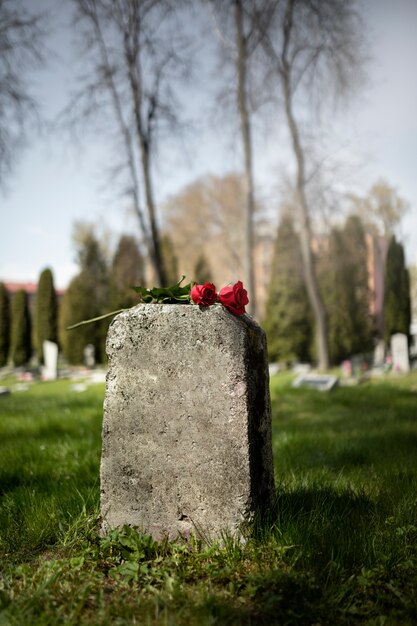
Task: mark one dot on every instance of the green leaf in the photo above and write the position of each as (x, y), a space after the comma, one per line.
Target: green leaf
(157, 295)
(128, 570)
(176, 294)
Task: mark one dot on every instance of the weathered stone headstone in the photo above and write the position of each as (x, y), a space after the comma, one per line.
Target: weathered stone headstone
(187, 424)
(50, 357)
(399, 351)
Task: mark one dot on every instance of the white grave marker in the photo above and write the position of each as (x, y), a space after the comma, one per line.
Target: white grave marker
(399, 351)
(50, 356)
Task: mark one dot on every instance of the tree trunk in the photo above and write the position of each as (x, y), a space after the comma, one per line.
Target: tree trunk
(247, 150)
(143, 136)
(305, 237)
(305, 234)
(159, 263)
(125, 132)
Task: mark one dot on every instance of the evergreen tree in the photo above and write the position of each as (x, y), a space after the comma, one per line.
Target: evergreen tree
(78, 305)
(170, 260)
(4, 325)
(126, 272)
(21, 346)
(397, 301)
(86, 297)
(288, 319)
(202, 270)
(344, 283)
(45, 311)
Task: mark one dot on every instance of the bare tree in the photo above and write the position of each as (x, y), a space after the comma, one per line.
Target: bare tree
(242, 101)
(130, 46)
(382, 209)
(311, 46)
(205, 217)
(20, 51)
(240, 46)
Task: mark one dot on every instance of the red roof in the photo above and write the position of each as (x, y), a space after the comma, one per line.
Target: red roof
(30, 288)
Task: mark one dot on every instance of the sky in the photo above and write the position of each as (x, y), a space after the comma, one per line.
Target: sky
(56, 182)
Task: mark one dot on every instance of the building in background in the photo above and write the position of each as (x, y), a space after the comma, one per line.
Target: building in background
(30, 288)
(377, 253)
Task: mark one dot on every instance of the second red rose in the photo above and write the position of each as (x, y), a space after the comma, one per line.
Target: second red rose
(234, 297)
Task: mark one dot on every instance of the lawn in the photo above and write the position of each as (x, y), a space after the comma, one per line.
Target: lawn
(338, 547)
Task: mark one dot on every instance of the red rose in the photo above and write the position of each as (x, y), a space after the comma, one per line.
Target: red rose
(234, 297)
(205, 295)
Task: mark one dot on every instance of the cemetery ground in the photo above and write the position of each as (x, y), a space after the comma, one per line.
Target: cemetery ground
(339, 547)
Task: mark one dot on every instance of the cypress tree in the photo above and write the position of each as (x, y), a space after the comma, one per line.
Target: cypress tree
(77, 305)
(87, 296)
(397, 301)
(288, 319)
(126, 272)
(344, 284)
(4, 325)
(21, 347)
(45, 311)
(170, 260)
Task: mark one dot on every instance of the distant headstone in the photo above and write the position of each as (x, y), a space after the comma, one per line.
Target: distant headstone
(274, 368)
(78, 387)
(379, 354)
(187, 422)
(89, 355)
(357, 362)
(50, 357)
(4, 391)
(301, 368)
(316, 381)
(21, 387)
(399, 351)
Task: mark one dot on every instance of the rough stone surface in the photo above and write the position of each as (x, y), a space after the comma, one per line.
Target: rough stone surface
(187, 422)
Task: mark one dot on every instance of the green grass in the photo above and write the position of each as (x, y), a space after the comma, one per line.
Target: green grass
(339, 546)
(49, 463)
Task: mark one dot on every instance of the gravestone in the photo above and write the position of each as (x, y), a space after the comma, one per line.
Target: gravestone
(321, 382)
(379, 353)
(89, 355)
(399, 351)
(301, 368)
(50, 357)
(273, 369)
(187, 423)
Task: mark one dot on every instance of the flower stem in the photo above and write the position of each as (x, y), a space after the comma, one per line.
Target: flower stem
(96, 319)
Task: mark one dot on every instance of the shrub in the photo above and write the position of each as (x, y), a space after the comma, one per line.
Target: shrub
(21, 345)
(4, 325)
(45, 311)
